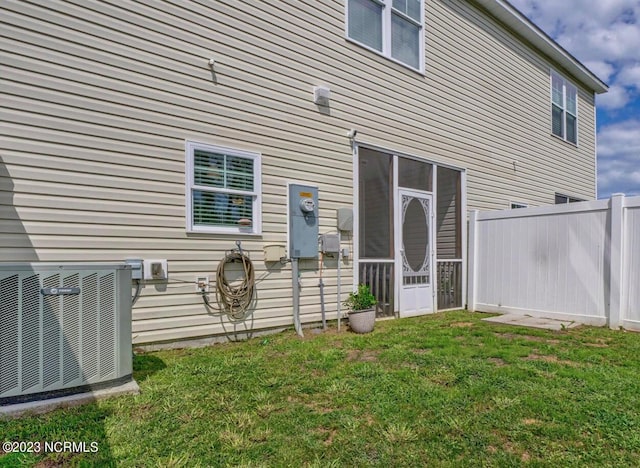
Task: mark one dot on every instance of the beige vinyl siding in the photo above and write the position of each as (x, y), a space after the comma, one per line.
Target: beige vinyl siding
(98, 99)
(507, 86)
(448, 239)
(109, 142)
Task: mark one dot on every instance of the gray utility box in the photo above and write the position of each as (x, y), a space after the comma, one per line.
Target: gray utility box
(303, 221)
(64, 328)
(345, 219)
(330, 244)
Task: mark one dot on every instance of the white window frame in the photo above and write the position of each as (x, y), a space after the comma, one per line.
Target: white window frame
(566, 84)
(256, 224)
(387, 12)
(569, 199)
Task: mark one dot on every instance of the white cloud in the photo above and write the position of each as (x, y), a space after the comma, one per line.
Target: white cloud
(605, 36)
(630, 76)
(602, 69)
(616, 98)
(620, 138)
(606, 30)
(614, 42)
(619, 158)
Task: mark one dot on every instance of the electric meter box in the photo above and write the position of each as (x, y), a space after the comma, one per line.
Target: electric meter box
(303, 221)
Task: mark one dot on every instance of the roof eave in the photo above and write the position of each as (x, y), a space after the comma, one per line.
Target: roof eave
(510, 16)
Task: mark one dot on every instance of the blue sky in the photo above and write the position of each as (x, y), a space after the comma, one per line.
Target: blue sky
(605, 36)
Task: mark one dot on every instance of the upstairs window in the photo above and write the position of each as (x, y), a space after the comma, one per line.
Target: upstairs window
(563, 199)
(223, 190)
(393, 28)
(564, 109)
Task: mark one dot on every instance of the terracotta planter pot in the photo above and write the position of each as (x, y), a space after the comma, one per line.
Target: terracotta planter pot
(362, 321)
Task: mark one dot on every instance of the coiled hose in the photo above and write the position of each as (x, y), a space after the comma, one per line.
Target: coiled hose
(235, 297)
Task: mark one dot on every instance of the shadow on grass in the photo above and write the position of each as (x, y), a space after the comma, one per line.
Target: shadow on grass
(72, 436)
(85, 441)
(145, 365)
(83, 428)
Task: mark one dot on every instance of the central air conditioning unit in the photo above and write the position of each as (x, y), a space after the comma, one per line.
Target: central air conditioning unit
(64, 329)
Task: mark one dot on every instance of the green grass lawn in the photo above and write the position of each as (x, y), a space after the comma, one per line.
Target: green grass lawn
(441, 390)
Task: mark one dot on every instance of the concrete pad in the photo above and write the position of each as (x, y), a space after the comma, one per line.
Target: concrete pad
(533, 322)
(43, 406)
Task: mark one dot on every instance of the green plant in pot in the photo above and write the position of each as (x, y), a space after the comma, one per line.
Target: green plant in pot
(362, 314)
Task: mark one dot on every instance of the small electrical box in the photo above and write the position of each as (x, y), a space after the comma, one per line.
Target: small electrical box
(321, 95)
(202, 284)
(303, 221)
(329, 244)
(345, 219)
(155, 269)
(274, 253)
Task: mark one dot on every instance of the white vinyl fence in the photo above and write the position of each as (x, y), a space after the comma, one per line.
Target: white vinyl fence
(578, 262)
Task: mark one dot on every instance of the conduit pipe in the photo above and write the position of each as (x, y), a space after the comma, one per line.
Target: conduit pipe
(321, 285)
(295, 279)
(339, 277)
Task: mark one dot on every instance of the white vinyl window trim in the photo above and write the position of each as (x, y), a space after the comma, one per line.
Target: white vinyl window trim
(564, 108)
(561, 199)
(223, 193)
(399, 16)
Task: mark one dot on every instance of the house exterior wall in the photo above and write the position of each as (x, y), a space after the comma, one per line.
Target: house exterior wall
(98, 99)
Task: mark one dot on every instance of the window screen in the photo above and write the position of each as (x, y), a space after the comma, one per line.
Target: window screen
(365, 23)
(405, 41)
(392, 27)
(375, 199)
(415, 174)
(562, 199)
(564, 108)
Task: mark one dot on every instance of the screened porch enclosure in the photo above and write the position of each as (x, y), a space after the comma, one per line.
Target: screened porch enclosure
(409, 231)
(449, 239)
(376, 266)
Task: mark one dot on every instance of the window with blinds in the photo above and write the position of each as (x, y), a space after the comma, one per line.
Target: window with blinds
(564, 109)
(393, 28)
(223, 193)
(365, 23)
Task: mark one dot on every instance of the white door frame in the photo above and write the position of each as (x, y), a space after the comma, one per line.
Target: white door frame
(430, 306)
